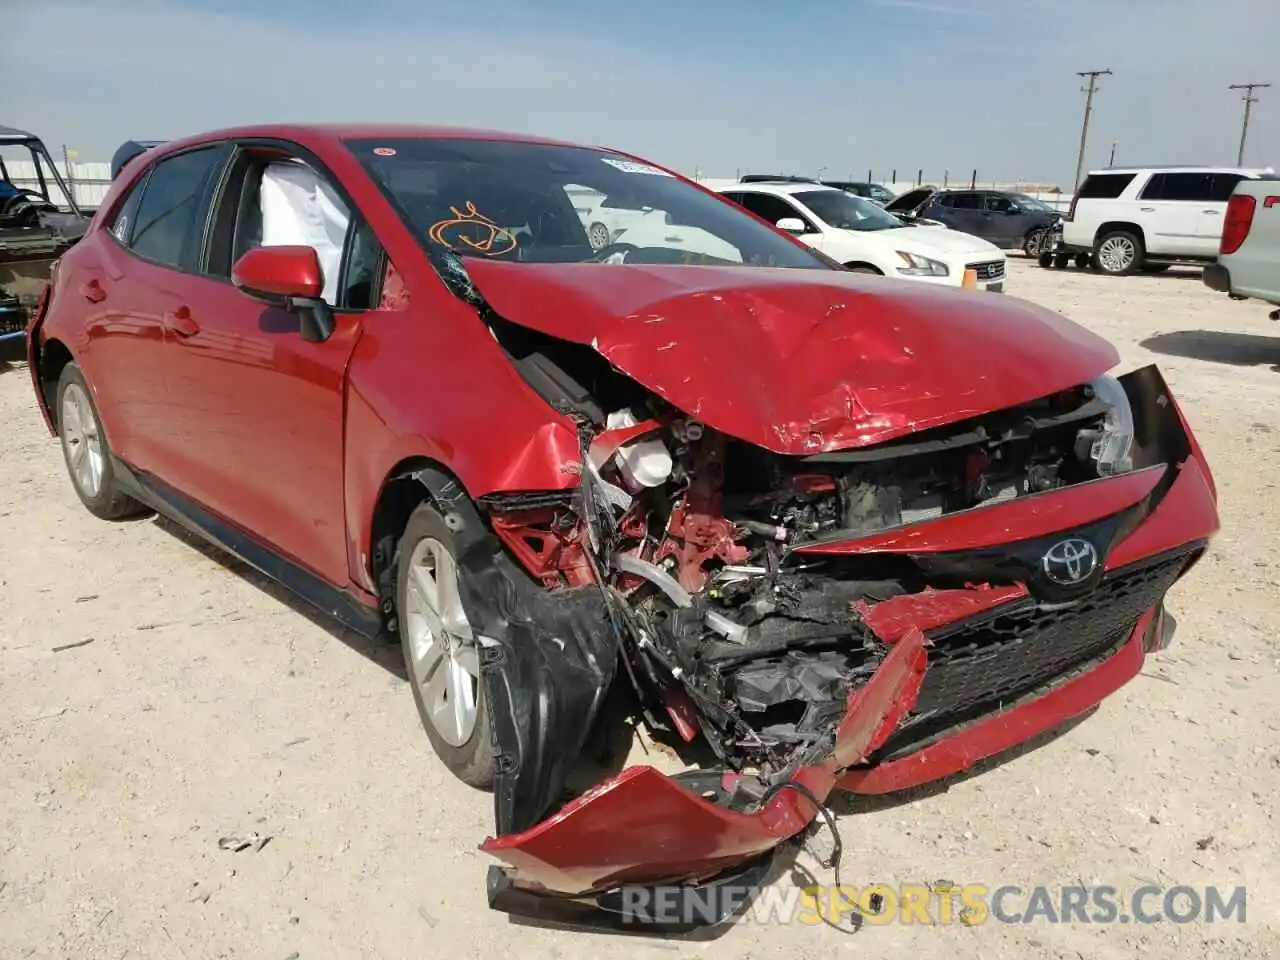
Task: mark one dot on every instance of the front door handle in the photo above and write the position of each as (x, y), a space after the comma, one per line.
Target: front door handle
(181, 322)
(1147, 209)
(93, 292)
(1211, 211)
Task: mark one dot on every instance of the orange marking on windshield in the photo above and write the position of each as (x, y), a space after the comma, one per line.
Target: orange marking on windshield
(492, 239)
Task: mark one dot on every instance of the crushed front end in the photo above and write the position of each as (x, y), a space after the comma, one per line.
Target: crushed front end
(864, 619)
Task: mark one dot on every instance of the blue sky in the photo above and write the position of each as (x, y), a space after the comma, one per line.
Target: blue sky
(711, 86)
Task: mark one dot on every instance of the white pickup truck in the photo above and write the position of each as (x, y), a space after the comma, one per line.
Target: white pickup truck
(1248, 264)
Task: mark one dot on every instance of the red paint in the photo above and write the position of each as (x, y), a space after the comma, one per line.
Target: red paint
(832, 361)
(217, 394)
(279, 271)
(894, 618)
(547, 543)
(1022, 519)
(641, 826)
(998, 733)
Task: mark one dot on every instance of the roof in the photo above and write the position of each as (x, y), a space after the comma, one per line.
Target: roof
(782, 187)
(13, 133)
(360, 131)
(1183, 168)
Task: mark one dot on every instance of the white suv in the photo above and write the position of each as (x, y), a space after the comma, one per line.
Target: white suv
(864, 237)
(1145, 218)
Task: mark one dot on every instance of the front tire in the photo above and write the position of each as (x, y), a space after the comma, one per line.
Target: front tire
(85, 450)
(1117, 253)
(1033, 244)
(441, 652)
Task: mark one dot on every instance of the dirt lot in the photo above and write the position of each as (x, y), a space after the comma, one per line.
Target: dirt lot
(208, 704)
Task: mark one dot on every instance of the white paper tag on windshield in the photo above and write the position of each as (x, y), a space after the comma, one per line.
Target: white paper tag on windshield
(630, 166)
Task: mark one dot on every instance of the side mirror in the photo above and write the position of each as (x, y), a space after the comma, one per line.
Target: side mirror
(289, 278)
(791, 225)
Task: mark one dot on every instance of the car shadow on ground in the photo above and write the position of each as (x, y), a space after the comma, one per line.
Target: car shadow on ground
(384, 653)
(1216, 346)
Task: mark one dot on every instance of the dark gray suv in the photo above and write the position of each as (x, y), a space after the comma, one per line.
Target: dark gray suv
(1012, 221)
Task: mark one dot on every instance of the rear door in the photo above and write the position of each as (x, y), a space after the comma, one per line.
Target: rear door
(1176, 209)
(1007, 222)
(263, 406)
(966, 211)
(132, 288)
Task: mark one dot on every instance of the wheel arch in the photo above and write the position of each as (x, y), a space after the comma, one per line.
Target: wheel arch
(1114, 226)
(414, 480)
(855, 264)
(51, 358)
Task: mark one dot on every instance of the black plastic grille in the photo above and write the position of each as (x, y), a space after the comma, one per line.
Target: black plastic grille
(990, 270)
(983, 664)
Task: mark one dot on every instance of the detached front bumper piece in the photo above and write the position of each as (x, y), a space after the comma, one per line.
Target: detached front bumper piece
(612, 857)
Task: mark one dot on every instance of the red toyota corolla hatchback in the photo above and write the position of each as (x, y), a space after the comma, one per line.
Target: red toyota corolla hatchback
(573, 428)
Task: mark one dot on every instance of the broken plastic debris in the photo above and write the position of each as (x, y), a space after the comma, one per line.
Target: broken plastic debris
(243, 841)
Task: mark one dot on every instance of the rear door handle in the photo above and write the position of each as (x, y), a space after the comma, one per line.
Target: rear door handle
(181, 322)
(93, 292)
(1211, 211)
(1147, 209)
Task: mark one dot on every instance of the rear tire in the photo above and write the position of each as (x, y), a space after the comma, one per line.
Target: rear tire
(88, 456)
(441, 652)
(1117, 253)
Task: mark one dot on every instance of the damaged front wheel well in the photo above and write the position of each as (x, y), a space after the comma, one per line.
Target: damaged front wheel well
(402, 492)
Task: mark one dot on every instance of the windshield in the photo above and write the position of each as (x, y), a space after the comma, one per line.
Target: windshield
(847, 212)
(1031, 203)
(542, 203)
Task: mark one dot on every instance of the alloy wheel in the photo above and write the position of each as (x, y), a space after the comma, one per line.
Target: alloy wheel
(81, 443)
(1117, 254)
(445, 656)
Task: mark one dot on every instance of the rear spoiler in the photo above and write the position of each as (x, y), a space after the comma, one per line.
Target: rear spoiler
(127, 151)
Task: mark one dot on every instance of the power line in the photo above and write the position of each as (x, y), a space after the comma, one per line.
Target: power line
(1249, 101)
(1093, 76)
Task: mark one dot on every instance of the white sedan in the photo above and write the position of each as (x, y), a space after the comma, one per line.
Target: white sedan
(864, 237)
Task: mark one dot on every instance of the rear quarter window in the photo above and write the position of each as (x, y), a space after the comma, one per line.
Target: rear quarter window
(1104, 186)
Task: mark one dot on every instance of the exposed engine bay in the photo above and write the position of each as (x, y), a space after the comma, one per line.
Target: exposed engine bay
(738, 634)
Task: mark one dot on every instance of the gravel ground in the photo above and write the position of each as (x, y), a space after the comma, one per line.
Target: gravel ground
(202, 703)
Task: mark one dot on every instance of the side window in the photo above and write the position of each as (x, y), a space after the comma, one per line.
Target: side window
(999, 204)
(967, 201)
(1154, 190)
(773, 209)
(947, 200)
(1185, 187)
(1105, 186)
(278, 201)
(1223, 185)
(165, 218)
(362, 269)
(122, 222)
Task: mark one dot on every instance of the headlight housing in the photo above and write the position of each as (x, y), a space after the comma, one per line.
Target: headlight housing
(918, 266)
(1112, 448)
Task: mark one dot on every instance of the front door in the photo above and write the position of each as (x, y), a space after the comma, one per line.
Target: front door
(263, 408)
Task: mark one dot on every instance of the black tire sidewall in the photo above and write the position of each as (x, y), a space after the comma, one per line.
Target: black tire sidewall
(473, 761)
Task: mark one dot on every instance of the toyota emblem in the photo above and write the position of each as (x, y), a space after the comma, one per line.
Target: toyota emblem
(1070, 562)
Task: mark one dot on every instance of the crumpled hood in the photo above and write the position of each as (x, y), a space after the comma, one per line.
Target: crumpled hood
(801, 361)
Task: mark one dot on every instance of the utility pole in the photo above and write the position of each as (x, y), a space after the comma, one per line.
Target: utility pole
(1249, 101)
(1093, 76)
(1112, 161)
